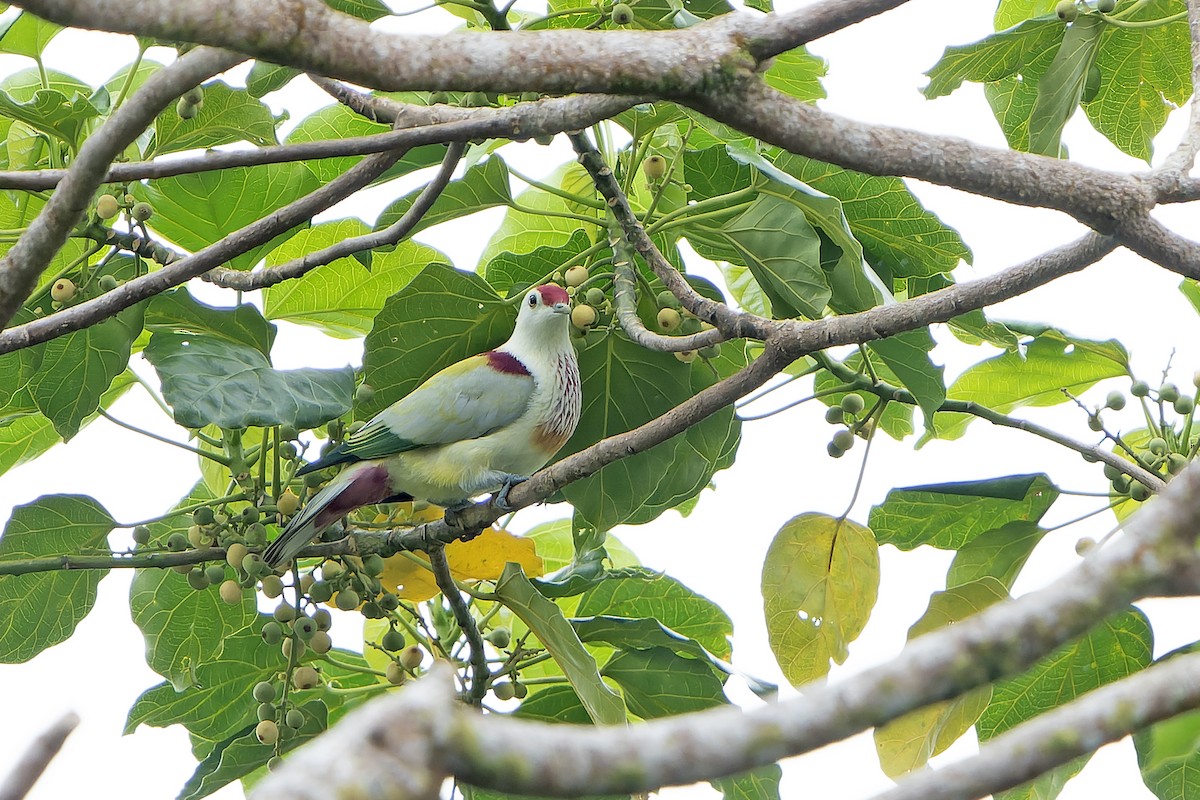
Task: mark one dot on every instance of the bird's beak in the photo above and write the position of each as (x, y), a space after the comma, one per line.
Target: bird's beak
(562, 308)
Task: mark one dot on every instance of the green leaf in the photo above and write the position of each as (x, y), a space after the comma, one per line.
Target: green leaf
(776, 242)
(1114, 649)
(184, 628)
(176, 311)
(209, 380)
(1052, 362)
(523, 232)
(658, 683)
(798, 73)
(625, 386)
(507, 271)
(42, 609)
(265, 77)
(757, 784)
(78, 368)
(907, 354)
(1010, 12)
(25, 436)
(441, 316)
(1168, 752)
(949, 515)
(998, 56)
(669, 602)
(819, 583)
(908, 742)
(64, 116)
(1061, 87)
(227, 115)
(337, 122)
(27, 35)
(197, 210)
(343, 296)
(483, 186)
(215, 702)
(547, 622)
(370, 10)
(999, 553)
(557, 704)
(1145, 73)
(899, 236)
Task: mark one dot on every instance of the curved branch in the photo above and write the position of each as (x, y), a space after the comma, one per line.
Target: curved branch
(436, 739)
(571, 113)
(462, 615)
(625, 301)
(24, 262)
(1051, 739)
(247, 281)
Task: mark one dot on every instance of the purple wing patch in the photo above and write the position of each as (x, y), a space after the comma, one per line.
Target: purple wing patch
(370, 485)
(552, 294)
(506, 363)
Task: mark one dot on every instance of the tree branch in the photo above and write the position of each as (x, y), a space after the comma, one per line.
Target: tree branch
(480, 674)
(36, 758)
(308, 35)
(1077, 728)
(24, 262)
(247, 281)
(439, 739)
(1096, 197)
(570, 113)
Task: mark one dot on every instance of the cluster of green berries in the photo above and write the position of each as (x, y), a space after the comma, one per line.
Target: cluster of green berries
(296, 632)
(108, 206)
(1068, 10)
(278, 715)
(190, 103)
(845, 415)
(672, 318)
(1169, 448)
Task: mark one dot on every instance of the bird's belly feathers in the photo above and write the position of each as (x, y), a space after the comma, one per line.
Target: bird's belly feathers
(448, 474)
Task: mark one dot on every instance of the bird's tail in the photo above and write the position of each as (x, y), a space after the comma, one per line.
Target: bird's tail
(356, 486)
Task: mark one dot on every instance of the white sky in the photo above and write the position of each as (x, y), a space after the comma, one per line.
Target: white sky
(782, 468)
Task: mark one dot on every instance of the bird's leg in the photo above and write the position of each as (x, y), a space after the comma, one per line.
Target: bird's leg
(500, 500)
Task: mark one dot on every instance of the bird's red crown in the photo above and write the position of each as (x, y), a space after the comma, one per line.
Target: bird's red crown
(552, 294)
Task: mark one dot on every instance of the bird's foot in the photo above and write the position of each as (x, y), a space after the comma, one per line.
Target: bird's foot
(453, 514)
(500, 500)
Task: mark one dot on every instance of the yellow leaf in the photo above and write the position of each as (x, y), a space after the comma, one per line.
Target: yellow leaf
(482, 558)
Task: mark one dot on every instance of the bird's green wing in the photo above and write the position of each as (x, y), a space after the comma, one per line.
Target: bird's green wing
(466, 400)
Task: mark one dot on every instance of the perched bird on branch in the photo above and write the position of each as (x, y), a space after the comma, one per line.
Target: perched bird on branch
(481, 425)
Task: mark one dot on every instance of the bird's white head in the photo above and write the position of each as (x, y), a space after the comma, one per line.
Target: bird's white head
(544, 318)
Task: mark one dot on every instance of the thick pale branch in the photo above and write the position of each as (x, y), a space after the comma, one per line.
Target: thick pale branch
(22, 265)
(309, 35)
(1054, 738)
(1096, 197)
(1158, 554)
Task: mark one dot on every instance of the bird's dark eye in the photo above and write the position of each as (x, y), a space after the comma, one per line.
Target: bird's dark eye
(533, 300)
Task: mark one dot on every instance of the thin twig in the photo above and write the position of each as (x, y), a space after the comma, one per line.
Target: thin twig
(247, 281)
(37, 756)
(480, 675)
